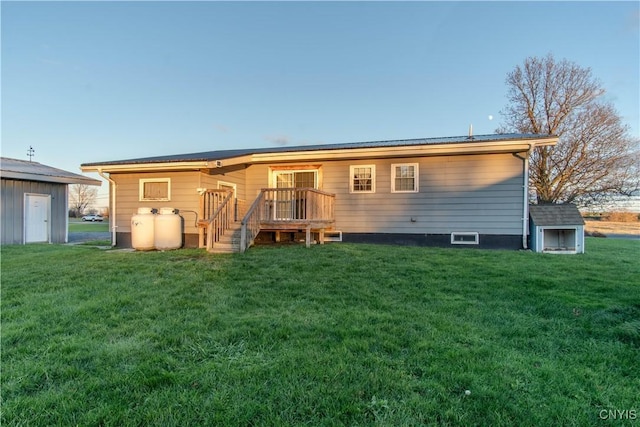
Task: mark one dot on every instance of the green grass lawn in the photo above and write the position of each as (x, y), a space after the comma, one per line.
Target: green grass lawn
(331, 335)
(77, 225)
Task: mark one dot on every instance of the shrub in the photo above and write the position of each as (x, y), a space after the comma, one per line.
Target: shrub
(595, 234)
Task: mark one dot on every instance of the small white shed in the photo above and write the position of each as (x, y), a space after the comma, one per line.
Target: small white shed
(557, 229)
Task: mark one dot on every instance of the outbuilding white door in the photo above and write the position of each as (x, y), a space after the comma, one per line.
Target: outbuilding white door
(36, 218)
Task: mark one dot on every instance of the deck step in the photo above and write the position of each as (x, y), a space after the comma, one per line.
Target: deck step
(224, 249)
(230, 241)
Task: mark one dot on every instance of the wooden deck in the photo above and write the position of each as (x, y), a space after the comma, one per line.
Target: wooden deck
(288, 209)
(275, 209)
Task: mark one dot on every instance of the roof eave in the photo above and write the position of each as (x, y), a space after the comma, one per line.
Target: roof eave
(481, 147)
(489, 147)
(50, 178)
(147, 167)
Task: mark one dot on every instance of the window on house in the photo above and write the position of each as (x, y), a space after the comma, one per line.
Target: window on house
(363, 179)
(404, 178)
(296, 179)
(155, 189)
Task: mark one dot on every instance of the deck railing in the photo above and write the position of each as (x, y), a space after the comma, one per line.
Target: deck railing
(218, 212)
(282, 206)
(251, 223)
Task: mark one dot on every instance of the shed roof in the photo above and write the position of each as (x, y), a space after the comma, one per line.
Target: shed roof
(34, 171)
(552, 214)
(209, 156)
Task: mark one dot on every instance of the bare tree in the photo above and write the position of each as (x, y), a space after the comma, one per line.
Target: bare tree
(596, 158)
(81, 196)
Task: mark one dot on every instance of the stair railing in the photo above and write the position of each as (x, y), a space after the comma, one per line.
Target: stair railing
(285, 205)
(250, 226)
(218, 213)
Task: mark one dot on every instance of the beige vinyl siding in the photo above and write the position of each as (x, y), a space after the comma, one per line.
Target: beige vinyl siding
(257, 179)
(183, 197)
(236, 177)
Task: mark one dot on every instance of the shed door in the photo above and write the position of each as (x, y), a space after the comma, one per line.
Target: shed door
(36, 218)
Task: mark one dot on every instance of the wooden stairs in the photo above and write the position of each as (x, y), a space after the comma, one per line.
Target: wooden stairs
(229, 242)
(274, 209)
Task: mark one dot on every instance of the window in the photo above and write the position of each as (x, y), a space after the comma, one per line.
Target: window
(404, 178)
(465, 238)
(155, 189)
(296, 179)
(363, 178)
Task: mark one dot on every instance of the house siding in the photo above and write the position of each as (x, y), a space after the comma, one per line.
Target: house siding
(474, 193)
(184, 197)
(232, 176)
(184, 194)
(257, 178)
(481, 193)
(12, 209)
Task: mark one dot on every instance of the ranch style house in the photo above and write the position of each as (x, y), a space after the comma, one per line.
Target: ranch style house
(469, 191)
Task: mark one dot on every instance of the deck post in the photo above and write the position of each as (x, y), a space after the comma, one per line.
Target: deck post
(321, 236)
(210, 236)
(308, 239)
(243, 238)
(201, 207)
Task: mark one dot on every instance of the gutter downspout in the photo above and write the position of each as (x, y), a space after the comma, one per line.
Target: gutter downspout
(112, 208)
(525, 196)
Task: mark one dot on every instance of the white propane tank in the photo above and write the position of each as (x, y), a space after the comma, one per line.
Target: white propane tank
(142, 229)
(168, 230)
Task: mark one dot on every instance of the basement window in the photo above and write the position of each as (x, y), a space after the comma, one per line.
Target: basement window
(155, 189)
(465, 238)
(333, 236)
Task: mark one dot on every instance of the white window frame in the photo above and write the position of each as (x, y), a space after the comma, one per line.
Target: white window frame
(273, 176)
(144, 181)
(373, 179)
(474, 234)
(333, 236)
(416, 177)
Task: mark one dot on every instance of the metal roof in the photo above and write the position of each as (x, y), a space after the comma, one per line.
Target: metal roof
(228, 154)
(552, 214)
(34, 171)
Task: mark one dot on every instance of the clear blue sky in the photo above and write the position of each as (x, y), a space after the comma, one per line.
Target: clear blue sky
(94, 81)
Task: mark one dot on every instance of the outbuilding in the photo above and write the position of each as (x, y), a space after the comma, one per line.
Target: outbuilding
(35, 201)
(556, 228)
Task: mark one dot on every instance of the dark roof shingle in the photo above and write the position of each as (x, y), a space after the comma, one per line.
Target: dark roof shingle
(555, 214)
